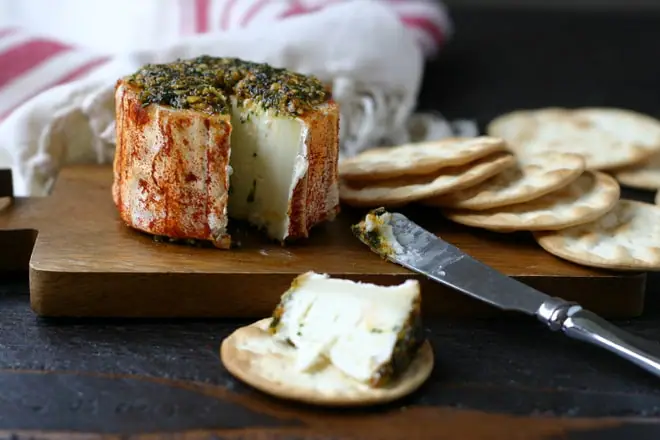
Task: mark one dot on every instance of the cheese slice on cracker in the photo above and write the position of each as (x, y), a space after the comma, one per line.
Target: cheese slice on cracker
(335, 342)
(252, 355)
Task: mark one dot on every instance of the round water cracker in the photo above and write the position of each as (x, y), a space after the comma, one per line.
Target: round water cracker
(590, 196)
(642, 176)
(607, 138)
(398, 192)
(416, 159)
(626, 238)
(535, 176)
(252, 355)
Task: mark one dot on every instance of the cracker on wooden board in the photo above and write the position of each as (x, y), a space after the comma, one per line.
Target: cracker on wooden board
(608, 138)
(404, 190)
(533, 177)
(252, 355)
(626, 238)
(643, 176)
(418, 158)
(590, 196)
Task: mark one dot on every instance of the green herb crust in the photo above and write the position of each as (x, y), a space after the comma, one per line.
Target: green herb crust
(409, 339)
(205, 84)
(281, 306)
(279, 311)
(373, 238)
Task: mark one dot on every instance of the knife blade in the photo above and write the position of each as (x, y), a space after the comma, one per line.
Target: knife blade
(401, 241)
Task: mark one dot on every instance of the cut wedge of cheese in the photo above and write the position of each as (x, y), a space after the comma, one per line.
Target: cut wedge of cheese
(254, 153)
(370, 333)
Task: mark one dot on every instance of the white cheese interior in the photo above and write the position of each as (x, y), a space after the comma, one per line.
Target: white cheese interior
(268, 157)
(352, 325)
(277, 362)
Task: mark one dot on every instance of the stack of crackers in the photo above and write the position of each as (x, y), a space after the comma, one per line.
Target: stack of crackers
(554, 172)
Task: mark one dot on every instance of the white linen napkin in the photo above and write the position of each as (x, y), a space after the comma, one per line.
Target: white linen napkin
(362, 47)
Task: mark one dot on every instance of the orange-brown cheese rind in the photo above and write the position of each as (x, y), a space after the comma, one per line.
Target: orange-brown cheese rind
(171, 169)
(316, 196)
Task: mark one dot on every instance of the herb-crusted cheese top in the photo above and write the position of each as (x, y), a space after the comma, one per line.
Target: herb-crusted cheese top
(206, 83)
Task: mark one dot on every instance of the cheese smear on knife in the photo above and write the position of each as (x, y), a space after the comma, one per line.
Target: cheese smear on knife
(204, 140)
(376, 231)
(370, 333)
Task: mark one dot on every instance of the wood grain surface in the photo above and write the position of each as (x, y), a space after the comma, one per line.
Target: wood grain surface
(86, 262)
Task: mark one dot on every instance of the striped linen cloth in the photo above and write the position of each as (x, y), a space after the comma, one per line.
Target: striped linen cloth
(56, 94)
(30, 64)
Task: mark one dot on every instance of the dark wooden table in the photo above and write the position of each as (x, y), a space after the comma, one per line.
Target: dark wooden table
(494, 379)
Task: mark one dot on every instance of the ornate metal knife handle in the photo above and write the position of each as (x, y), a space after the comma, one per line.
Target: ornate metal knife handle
(586, 326)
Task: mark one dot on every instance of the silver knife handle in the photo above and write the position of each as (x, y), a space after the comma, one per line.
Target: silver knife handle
(586, 326)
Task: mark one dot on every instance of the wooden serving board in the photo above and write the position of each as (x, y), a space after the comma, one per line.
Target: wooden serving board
(86, 263)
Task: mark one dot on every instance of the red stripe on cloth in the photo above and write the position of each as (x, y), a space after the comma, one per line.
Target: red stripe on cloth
(25, 56)
(298, 8)
(295, 8)
(202, 15)
(6, 31)
(426, 25)
(75, 74)
(226, 14)
(253, 11)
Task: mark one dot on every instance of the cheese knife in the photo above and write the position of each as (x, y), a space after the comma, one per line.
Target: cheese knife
(399, 240)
